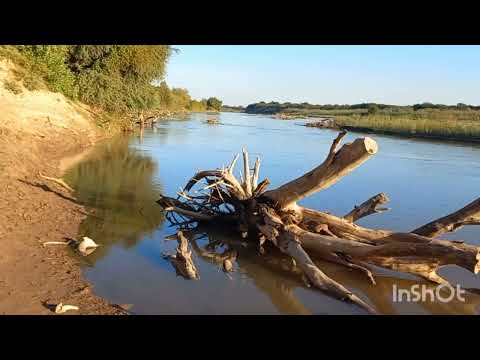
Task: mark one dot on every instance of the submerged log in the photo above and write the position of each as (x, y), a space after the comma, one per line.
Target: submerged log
(274, 217)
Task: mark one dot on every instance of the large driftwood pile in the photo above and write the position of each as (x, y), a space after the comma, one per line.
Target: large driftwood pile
(274, 217)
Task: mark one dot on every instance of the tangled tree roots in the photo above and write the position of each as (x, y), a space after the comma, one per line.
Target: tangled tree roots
(274, 217)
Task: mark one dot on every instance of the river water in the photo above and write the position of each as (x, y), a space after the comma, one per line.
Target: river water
(121, 178)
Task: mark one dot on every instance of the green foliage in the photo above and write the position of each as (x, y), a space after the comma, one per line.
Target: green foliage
(214, 104)
(31, 74)
(372, 109)
(197, 106)
(180, 99)
(51, 60)
(427, 123)
(164, 95)
(116, 78)
(117, 181)
(306, 108)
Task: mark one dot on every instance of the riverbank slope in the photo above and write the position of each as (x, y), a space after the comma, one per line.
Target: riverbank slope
(41, 131)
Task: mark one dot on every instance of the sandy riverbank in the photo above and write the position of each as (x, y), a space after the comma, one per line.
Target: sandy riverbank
(42, 132)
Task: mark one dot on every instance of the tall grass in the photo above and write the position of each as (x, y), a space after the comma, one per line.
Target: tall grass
(429, 123)
(316, 112)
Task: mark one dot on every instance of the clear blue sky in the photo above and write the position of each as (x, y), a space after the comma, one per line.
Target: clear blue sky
(240, 75)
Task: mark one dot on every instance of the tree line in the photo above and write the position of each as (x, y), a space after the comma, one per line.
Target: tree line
(276, 107)
(115, 78)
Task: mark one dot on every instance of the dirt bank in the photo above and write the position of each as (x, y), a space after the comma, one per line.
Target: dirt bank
(41, 132)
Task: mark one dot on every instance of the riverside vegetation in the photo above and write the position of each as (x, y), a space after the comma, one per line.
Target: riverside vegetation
(459, 121)
(56, 102)
(122, 83)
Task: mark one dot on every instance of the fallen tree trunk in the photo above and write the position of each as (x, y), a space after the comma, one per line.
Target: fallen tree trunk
(274, 217)
(337, 164)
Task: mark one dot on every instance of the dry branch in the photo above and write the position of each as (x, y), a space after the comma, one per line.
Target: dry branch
(170, 204)
(57, 181)
(256, 173)
(371, 206)
(299, 232)
(247, 184)
(275, 231)
(403, 256)
(468, 215)
(337, 165)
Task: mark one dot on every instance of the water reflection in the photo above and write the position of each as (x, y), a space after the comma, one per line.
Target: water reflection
(276, 276)
(121, 179)
(115, 183)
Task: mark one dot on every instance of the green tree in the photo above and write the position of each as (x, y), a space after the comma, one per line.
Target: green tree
(462, 106)
(214, 104)
(118, 77)
(180, 99)
(164, 95)
(51, 60)
(372, 109)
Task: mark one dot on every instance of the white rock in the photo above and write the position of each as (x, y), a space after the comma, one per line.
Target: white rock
(87, 246)
(60, 308)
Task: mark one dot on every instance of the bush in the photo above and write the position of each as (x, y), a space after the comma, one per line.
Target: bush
(116, 78)
(372, 109)
(52, 58)
(31, 74)
(214, 104)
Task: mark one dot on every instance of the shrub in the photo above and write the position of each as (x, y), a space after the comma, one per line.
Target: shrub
(372, 109)
(56, 73)
(214, 104)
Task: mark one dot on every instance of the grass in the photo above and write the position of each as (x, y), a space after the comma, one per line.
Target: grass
(318, 113)
(429, 123)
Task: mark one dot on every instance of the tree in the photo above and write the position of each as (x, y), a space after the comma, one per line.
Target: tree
(117, 77)
(462, 106)
(164, 95)
(50, 60)
(180, 98)
(214, 104)
(372, 109)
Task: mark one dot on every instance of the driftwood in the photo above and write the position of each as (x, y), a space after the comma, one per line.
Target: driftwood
(56, 181)
(371, 206)
(469, 215)
(274, 217)
(182, 260)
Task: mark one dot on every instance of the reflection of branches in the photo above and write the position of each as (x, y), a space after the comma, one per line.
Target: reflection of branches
(276, 275)
(274, 281)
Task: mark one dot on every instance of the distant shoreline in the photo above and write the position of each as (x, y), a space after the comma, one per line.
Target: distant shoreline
(410, 135)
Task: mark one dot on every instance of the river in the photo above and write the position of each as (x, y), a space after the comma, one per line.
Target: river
(121, 178)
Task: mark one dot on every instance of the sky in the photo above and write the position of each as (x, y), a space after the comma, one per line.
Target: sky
(326, 74)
